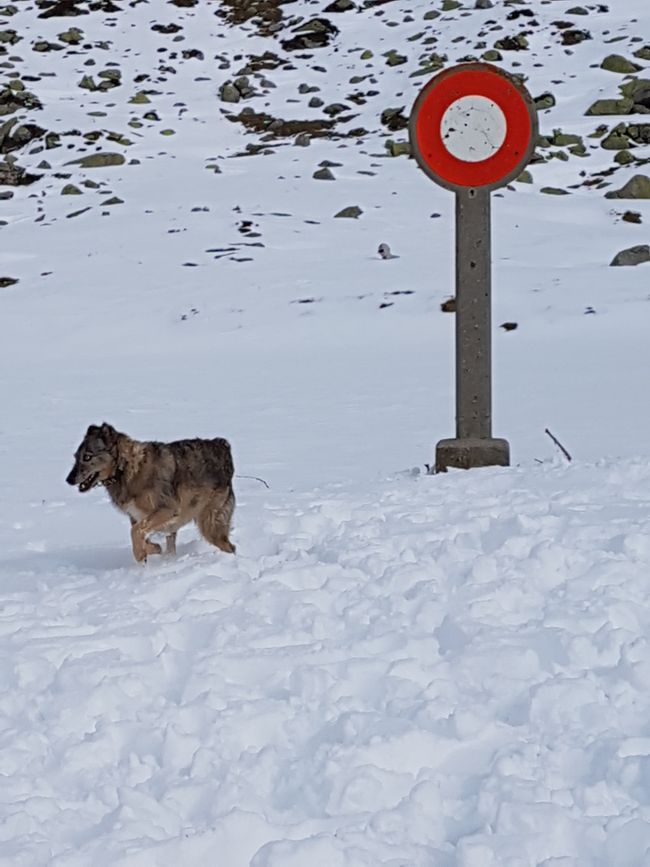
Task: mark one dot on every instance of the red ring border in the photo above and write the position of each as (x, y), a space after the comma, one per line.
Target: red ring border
(473, 79)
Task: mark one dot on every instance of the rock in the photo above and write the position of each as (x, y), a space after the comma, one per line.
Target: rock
(324, 175)
(631, 217)
(71, 190)
(509, 326)
(166, 29)
(315, 102)
(114, 200)
(229, 93)
(639, 133)
(638, 90)
(618, 63)
(544, 101)
(525, 178)
(12, 100)
(394, 119)
(352, 212)
(575, 37)
(7, 281)
(398, 148)
(99, 160)
(604, 107)
(20, 136)
(367, 54)
(42, 45)
(12, 175)
(643, 53)
(448, 306)
(112, 77)
(638, 187)
(9, 37)
(394, 58)
(616, 140)
(243, 86)
(562, 139)
(483, 4)
(87, 83)
(491, 55)
(315, 33)
(302, 140)
(512, 43)
(61, 8)
(73, 36)
(140, 98)
(340, 6)
(554, 191)
(624, 158)
(450, 5)
(335, 108)
(261, 122)
(77, 213)
(632, 256)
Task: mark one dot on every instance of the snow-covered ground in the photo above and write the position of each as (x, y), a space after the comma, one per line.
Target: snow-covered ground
(396, 669)
(426, 671)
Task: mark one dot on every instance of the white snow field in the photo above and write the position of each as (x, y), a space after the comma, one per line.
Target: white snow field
(396, 669)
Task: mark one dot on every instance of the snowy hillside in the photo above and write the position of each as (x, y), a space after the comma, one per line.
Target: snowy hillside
(396, 669)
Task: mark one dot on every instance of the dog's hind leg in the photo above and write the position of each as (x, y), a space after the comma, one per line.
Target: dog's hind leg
(214, 520)
(170, 543)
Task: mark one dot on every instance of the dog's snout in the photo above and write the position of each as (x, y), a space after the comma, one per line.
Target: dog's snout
(70, 479)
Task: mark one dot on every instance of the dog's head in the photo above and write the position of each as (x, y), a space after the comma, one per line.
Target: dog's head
(95, 460)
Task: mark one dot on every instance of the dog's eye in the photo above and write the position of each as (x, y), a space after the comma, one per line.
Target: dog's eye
(86, 458)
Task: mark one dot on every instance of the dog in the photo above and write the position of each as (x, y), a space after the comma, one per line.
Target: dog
(160, 486)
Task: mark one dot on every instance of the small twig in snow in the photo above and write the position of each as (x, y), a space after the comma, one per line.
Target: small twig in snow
(257, 479)
(558, 444)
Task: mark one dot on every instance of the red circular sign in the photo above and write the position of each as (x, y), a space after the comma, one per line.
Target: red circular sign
(473, 125)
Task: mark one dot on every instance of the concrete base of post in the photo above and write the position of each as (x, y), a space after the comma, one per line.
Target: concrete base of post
(464, 454)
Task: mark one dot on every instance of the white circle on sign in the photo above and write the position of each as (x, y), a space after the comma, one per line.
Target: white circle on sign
(473, 128)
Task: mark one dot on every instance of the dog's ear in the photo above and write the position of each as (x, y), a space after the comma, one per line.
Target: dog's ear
(92, 429)
(108, 433)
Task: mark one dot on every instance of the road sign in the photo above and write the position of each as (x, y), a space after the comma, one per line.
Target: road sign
(473, 125)
(473, 128)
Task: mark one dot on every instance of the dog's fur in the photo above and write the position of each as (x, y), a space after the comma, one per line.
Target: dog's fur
(160, 486)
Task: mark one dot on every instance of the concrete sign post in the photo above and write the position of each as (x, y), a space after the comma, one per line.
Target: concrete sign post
(473, 128)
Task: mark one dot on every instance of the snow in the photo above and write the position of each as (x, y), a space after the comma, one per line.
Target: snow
(423, 670)
(396, 669)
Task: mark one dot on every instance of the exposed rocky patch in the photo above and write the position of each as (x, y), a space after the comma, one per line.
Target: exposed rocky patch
(637, 255)
(316, 33)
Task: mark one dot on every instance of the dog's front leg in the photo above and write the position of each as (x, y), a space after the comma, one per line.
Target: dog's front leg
(142, 547)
